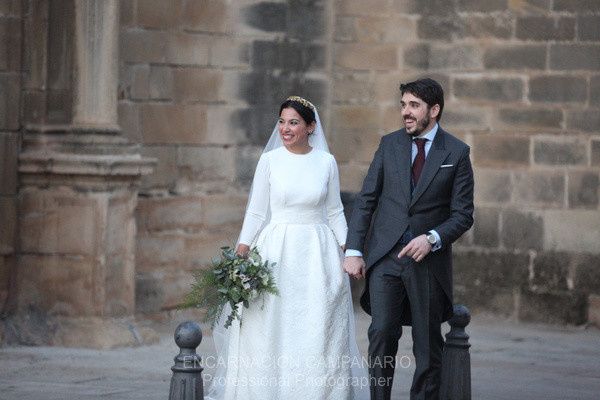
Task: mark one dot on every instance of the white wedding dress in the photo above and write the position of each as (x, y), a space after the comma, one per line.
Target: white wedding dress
(300, 344)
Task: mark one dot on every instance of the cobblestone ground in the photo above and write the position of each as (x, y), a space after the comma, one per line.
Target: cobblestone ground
(509, 361)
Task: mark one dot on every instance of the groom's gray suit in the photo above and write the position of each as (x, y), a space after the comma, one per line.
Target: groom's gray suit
(393, 212)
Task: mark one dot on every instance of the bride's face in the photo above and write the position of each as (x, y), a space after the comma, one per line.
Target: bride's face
(293, 129)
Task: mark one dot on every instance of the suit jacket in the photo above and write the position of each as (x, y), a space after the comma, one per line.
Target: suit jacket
(386, 206)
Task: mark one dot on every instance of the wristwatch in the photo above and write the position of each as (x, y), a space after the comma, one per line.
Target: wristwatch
(431, 238)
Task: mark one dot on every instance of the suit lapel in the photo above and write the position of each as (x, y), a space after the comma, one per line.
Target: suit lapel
(403, 158)
(436, 156)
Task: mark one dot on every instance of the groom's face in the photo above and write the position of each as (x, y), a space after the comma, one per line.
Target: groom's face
(416, 114)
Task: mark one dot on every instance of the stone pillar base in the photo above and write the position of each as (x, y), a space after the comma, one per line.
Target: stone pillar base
(35, 329)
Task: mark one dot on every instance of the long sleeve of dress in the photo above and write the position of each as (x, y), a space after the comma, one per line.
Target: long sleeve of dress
(258, 206)
(333, 203)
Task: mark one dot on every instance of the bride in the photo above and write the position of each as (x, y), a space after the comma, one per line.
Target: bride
(300, 344)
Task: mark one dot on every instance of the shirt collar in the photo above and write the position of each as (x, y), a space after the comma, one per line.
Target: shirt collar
(429, 135)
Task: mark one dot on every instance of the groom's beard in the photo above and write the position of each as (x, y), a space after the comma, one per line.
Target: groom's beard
(419, 126)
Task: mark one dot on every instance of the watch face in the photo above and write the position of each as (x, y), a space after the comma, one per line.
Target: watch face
(431, 239)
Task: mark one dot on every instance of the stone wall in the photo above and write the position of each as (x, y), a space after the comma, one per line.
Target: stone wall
(10, 100)
(200, 86)
(200, 82)
(522, 88)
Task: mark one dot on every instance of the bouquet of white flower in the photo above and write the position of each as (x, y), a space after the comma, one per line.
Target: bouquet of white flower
(232, 279)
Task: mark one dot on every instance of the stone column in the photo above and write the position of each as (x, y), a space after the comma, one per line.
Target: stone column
(78, 183)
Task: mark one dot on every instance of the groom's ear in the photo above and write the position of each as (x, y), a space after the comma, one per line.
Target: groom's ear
(434, 111)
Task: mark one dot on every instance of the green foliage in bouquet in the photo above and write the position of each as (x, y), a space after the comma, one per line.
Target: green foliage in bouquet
(232, 279)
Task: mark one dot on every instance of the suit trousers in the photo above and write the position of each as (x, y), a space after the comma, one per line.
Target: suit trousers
(392, 283)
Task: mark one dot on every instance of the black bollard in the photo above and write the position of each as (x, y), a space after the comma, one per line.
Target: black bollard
(186, 383)
(456, 360)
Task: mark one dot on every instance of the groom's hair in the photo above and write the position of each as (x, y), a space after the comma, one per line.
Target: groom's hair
(427, 90)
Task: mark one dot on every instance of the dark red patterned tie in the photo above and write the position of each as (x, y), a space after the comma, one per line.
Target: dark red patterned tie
(417, 166)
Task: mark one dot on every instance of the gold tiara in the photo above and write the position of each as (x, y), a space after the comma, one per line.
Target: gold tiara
(302, 101)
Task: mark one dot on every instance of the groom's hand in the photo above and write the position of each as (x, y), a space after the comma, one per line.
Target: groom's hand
(355, 266)
(416, 249)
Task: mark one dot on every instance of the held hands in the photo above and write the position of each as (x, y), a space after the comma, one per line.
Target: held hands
(417, 248)
(355, 267)
(242, 249)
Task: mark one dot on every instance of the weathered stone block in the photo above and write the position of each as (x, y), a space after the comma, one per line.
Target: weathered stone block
(575, 57)
(572, 230)
(457, 116)
(576, 5)
(481, 6)
(556, 307)
(583, 189)
(545, 28)
(8, 216)
(129, 121)
(308, 21)
(366, 56)
(558, 89)
(515, 57)
(287, 56)
(359, 7)
(60, 221)
(9, 101)
(522, 230)
(165, 172)
(550, 151)
(530, 119)
(355, 117)
(140, 82)
(246, 159)
(595, 90)
(158, 47)
(266, 16)
(345, 29)
(385, 29)
(492, 186)
(223, 209)
(455, 57)
(34, 106)
(587, 120)
(202, 165)
(491, 150)
(495, 89)
(11, 8)
(127, 13)
(534, 7)
(495, 26)
(81, 291)
(486, 280)
(170, 213)
(354, 88)
(158, 250)
(539, 188)
(10, 44)
(229, 52)
(486, 227)
(435, 27)
(158, 14)
(9, 152)
(226, 126)
(595, 152)
(193, 84)
(593, 316)
(352, 176)
(206, 16)
(585, 272)
(588, 28)
(201, 249)
(160, 83)
(173, 123)
(551, 271)
(161, 290)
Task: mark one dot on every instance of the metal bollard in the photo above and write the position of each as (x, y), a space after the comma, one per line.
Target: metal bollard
(186, 383)
(456, 360)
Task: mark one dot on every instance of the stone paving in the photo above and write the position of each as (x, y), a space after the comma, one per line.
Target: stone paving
(509, 361)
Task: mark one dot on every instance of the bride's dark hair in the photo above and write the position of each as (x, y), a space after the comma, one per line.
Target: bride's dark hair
(307, 114)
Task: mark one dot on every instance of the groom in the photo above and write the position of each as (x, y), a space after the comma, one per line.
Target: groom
(416, 200)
